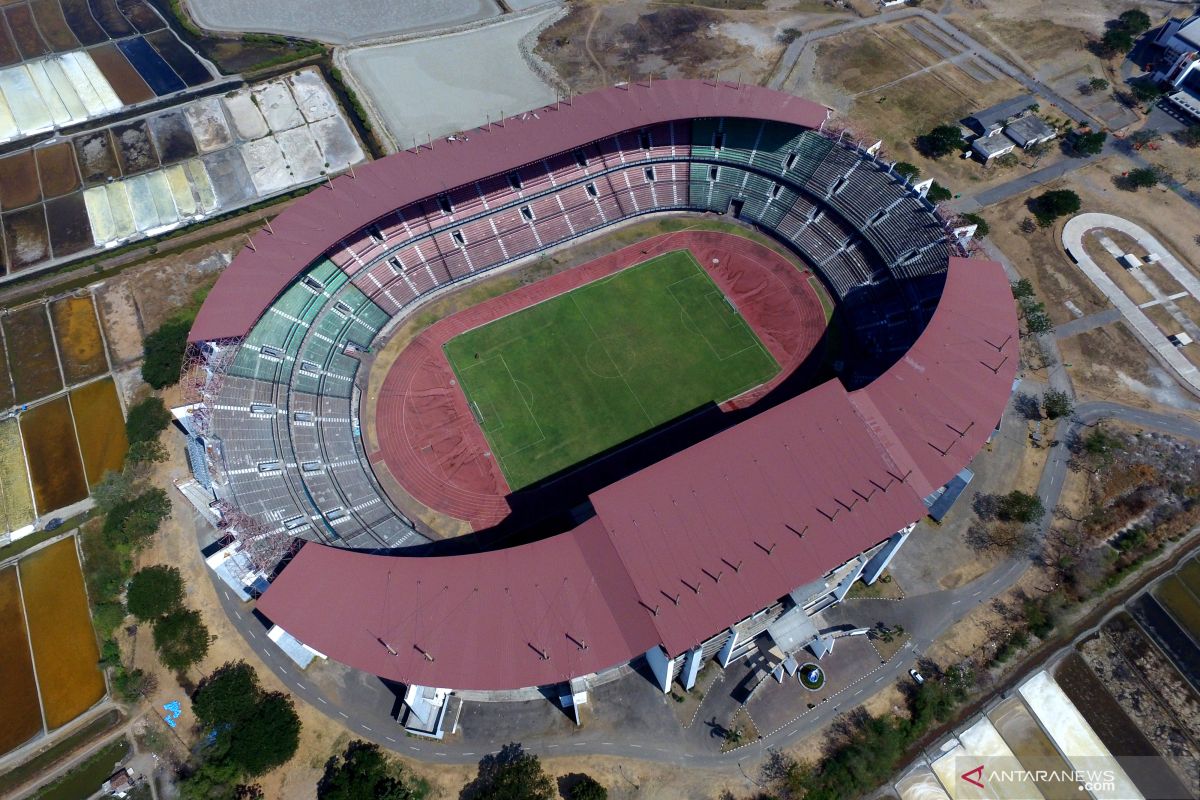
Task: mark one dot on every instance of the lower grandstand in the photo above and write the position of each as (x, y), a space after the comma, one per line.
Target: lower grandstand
(685, 559)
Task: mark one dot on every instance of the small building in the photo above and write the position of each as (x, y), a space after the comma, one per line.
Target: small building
(993, 119)
(429, 711)
(1180, 339)
(993, 145)
(1130, 261)
(1029, 130)
(1179, 64)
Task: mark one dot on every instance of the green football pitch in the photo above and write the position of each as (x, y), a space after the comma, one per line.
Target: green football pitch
(573, 376)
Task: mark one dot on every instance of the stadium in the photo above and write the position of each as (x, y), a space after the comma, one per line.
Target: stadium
(663, 452)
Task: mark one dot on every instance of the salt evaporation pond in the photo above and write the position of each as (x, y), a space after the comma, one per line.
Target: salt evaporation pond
(921, 784)
(122, 211)
(982, 741)
(1075, 739)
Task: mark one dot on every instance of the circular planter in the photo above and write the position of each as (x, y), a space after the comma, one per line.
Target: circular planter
(807, 678)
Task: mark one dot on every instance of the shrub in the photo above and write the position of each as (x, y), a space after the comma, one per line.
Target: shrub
(1018, 506)
(981, 226)
(164, 350)
(132, 522)
(181, 639)
(910, 171)
(1142, 178)
(1057, 403)
(1088, 143)
(364, 771)
(587, 788)
(1189, 136)
(154, 591)
(1135, 21)
(938, 193)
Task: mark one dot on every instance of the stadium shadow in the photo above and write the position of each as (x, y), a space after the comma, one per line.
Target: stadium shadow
(560, 502)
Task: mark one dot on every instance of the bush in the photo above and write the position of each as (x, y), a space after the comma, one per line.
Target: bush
(1189, 136)
(587, 788)
(181, 639)
(1116, 41)
(938, 193)
(146, 420)
(941, 141)
(107, 618)
(154, 591)
(1141, 178)
(164, 350)
(1051, 205)
(981, 226)
(132, 522)
(910, 171)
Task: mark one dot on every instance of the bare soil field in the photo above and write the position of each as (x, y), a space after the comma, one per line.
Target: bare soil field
(31, 357)
(16, 501)
(101, 427)
(60, 631)
(54, 463)
(600, 42)
(77, 333)
(20, 713)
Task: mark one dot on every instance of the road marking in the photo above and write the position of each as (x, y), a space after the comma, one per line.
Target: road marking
(956, 602)
(439, 754)
(410, 747)
(227, 597)
(468, 754)
(322, 699)
(390, 739)
(344, 715)
(302, 686)
(252, 636)
(580, 744)
(364, 727)
(607, 744)
(551, 746)
(283, 669)
(239, 614)
(638, 746)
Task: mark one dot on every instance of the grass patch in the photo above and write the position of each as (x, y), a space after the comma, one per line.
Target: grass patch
(23, 773)
(585, 371)
(85, 779)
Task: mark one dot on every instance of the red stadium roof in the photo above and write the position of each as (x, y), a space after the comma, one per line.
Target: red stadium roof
(327, 215)
(688, 546)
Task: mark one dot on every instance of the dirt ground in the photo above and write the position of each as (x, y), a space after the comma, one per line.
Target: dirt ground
(140, 299)
(601, 42)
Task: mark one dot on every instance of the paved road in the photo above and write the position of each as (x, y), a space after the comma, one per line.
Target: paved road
(1084, 324)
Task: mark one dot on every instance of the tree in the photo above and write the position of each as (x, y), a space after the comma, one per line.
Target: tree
(1189, 136)
(1018, 506)
(154, 591)
(587, 788)
(907, 170)
(149, 452)
(511, 774)
(1088, 143)
(181, 639)
(1053, 204)
(1141, 178)
(1135, 21)
(132, 522)
(363, 772)
(1057, 403)
(1146, 91)
(938, 193)
(1144, 137)
(1022, 289)
(146, 420)
(164, 349)
(1095, 85)
(113, 489)
(941, 141)
(981, 226)
(1117, 40)
(256, 730)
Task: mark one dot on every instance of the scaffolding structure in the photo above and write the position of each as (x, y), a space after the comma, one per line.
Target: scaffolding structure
(264, 548)
(201, 377)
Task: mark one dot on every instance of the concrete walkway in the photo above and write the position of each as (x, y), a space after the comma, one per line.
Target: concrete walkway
(1088, 323)
(1153, 338)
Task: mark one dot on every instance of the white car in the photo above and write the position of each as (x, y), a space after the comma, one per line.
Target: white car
(916, 676)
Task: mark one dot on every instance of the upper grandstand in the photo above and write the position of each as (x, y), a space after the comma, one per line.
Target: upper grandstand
(288, 321)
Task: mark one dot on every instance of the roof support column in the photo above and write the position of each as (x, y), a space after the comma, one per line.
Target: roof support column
(725, 654)
(662, 667)
(883, 557)
(691, 668)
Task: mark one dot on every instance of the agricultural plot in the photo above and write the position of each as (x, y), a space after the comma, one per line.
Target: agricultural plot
(77, 332)
(16, 501)
(20, 713)
(60, 631)
(101, 428)
(1178, 600)
(53, 455)
(571, 377)
(32, 360)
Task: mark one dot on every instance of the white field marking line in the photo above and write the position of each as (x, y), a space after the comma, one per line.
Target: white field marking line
(528, 408)
(624, 380)
(740, 320)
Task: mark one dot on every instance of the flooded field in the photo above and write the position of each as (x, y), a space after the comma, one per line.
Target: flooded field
(16, 501)
(60, 631)
(1178, 646)
(77, 332)
(70, 232)
(1030, 744)
(20, 714)
(1177, 598)
(31, 358)
(19, 177)
(53, 455)
(26, 237)
(1189, 573)
(56, 169)
(101, 428)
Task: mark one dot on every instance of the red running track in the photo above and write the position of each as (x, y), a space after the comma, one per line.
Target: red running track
(428, 438)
